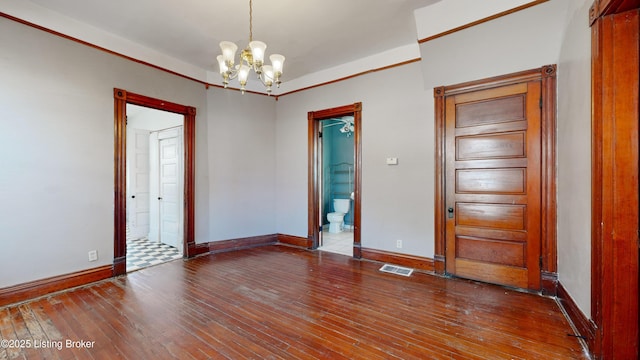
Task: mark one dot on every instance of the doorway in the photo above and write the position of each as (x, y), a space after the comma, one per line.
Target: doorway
(337, 183)
(495, 180)
(345, 183)
(154, 186)
(188, 113)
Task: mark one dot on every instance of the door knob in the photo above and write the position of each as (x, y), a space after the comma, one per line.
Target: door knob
(133, 196)
(450, 211)
(159, 198)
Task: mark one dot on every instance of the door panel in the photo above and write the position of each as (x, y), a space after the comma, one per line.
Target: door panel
(492, 151)
(493, 111)
(138, 178)
(492, 251)
(496, 181)
(170, 188)
(505, 145)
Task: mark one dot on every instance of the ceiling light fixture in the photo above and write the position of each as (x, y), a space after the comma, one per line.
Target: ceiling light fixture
(252, 57)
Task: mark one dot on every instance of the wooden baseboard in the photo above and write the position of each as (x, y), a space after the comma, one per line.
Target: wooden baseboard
(585, 326)
(242, 243)
(298, 241)
(549, 283)
(194, 249)
(120, 266)
(439, 264)
(411, 261)
(37, 288)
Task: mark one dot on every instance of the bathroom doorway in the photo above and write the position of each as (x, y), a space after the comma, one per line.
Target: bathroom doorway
(154, 186)
(334, 179)
(336, 184)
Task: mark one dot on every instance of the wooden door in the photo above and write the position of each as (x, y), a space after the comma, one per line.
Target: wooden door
(492, 185)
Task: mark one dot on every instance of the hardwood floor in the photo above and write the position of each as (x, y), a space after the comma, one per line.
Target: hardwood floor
(277, 302)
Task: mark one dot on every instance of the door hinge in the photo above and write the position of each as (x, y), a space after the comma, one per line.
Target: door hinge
(540, 262)
(319, 134)
(540, 102)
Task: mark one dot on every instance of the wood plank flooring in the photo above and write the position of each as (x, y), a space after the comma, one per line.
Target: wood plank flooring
(278, 302)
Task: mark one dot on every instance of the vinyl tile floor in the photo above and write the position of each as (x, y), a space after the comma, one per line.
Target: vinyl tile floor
(341, 243)
(142, 253)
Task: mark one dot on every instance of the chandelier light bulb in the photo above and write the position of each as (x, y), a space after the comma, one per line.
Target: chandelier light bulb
(228, 52)
(243, 75)
(277, 61)
(267, 70)
(257, 51)
(222, 64)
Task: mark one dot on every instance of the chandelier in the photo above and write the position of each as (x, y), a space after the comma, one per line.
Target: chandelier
(252, 57)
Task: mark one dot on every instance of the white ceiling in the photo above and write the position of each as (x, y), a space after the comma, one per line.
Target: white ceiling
(313, 35)
(322, 40)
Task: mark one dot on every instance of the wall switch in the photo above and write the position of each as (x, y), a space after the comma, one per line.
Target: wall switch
(392, 161)
(93, 255)
(399, 244)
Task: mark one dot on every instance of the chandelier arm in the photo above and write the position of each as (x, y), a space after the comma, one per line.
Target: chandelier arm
(232, 73)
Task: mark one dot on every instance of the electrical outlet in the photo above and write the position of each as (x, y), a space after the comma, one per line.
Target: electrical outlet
(399, 244)
(93, 255)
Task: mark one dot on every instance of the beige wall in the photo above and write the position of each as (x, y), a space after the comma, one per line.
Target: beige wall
(241, 145)
(395, 199)
(56, 137)
(574, 156)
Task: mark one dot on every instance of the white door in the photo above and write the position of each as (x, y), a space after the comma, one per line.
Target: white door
(138, 182)
(170, 193)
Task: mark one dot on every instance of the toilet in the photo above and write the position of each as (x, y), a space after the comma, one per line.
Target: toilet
(336, 218)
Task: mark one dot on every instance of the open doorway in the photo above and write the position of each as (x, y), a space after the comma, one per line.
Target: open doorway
(154, 186)
(121, 99)
(335, 178)
(337, 185)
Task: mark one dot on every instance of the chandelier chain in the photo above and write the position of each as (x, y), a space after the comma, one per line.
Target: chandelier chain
(250, 20)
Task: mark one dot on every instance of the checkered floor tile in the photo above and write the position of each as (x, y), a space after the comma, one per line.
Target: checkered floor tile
(142, 253)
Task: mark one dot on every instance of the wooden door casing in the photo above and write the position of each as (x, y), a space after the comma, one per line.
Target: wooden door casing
(613, 330)
(314, 119)
(121, 99)
(502, 191)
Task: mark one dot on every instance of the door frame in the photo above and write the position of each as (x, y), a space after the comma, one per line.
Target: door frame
(615, 204)
(314, 172)
(121, 99)
(547, 76)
